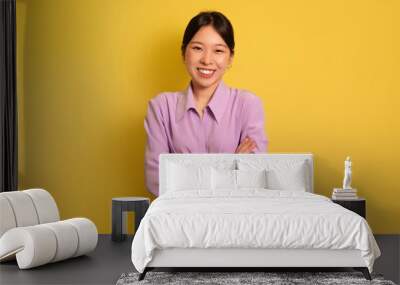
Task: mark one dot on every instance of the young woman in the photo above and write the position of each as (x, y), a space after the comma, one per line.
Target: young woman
(208, 117)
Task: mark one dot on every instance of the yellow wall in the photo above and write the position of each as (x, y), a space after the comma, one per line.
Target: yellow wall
(327, 72)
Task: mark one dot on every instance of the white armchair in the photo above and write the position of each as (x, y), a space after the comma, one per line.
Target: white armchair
(31, 230)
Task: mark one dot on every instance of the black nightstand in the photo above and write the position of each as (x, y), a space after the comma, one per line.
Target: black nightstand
(119, 208)
(357, 205)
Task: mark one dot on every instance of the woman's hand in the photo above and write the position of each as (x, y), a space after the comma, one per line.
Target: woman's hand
(247, 146)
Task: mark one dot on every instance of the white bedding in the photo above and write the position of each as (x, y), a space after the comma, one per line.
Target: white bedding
(250, 218)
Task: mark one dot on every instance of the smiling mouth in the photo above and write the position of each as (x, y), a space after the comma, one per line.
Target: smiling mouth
(205, 71)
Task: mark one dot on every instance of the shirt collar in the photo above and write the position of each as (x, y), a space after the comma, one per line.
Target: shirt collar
(217, 103)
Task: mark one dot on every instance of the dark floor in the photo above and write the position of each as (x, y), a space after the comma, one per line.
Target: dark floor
(111, 259)
(388, 263)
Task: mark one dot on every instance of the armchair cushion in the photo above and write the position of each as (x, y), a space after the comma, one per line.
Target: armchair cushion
(45, 243)
(31, 232)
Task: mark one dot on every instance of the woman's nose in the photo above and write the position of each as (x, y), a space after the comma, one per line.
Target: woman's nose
(206, 58)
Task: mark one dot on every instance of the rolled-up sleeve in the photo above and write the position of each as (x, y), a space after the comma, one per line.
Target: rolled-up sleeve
(254, 123)
(157, 143)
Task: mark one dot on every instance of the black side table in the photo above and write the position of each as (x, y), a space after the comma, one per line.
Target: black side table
(120, 206)
(357, 205)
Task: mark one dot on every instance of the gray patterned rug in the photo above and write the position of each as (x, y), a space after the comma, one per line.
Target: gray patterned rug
(270, 278)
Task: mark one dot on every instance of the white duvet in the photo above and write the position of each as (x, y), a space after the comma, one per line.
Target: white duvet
(250, 218)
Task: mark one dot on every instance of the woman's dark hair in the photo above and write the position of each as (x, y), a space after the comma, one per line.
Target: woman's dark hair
(217, 20)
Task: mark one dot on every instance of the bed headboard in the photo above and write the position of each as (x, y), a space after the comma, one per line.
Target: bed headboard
(228, 159)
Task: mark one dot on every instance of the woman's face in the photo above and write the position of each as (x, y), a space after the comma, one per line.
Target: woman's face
(207, 56)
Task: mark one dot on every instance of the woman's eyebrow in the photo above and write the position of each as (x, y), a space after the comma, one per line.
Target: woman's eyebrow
(196, 42)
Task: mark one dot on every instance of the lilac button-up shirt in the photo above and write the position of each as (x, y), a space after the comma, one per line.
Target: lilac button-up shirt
(174, 126)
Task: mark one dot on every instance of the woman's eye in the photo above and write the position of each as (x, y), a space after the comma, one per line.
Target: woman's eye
(196, 48)
(219, 51)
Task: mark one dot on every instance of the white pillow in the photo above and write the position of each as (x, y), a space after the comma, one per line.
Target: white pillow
(236, 179)
(281, 174)
(251, 178)
(289, 179)
(223, 179)
(188, 177)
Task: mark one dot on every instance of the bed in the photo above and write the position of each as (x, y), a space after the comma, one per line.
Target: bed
(245, 211)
